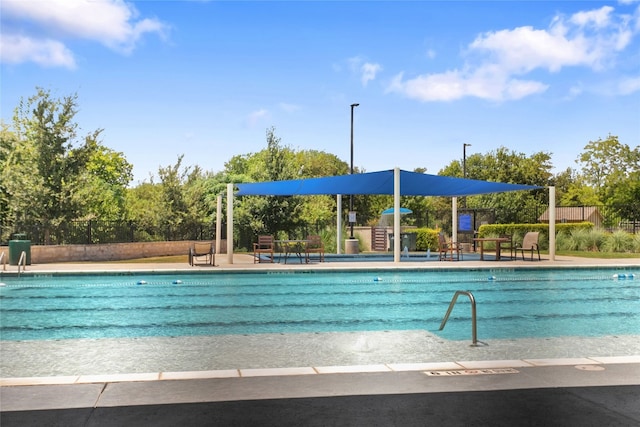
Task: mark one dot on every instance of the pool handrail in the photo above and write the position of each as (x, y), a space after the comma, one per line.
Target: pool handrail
(22, 261)
(474, 329)
(3, 261)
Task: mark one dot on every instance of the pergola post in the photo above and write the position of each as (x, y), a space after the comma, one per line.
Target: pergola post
(230, 223)
(552, 223)
(219, 224)
(397, 240)
(339, 223)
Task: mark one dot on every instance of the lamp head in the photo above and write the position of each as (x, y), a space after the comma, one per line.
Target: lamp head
(354, 105)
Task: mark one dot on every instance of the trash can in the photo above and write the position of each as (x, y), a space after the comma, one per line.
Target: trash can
(18, 245)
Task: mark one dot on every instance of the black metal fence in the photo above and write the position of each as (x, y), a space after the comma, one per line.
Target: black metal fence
(605, 217)
(97, 231)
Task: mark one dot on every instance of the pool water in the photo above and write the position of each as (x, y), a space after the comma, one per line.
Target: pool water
(510, 303)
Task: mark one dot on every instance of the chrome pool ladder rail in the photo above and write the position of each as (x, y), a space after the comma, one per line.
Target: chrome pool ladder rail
(22, 261)
(3, 260)
(474, 329)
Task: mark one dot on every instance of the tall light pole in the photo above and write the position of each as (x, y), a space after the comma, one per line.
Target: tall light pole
(464, 159)
(464, 168)
(351, 170)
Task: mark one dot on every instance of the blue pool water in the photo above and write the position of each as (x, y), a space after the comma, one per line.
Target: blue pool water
(510, 303)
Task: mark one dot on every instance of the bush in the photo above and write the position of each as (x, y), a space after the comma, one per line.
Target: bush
(619, 241)
(426, 238)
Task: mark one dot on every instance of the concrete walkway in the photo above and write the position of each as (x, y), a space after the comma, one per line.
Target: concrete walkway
(557, 391)
(580, 395)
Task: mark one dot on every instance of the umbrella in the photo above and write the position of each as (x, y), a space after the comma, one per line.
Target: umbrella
(390, 211)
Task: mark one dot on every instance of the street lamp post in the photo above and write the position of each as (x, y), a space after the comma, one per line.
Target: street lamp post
(464, 159)
(464, 168)
(351, 170)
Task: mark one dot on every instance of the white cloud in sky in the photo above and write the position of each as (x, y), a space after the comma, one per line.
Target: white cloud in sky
(366, 71)
(629, 85)
(112, 23)
(289, 108)
(256, 117)
(498, 60)
(16, 49)
(369, 72)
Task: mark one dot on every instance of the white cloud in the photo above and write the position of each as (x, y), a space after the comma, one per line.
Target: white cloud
(289, 108)
(112, 23)
(256, 117)
(367, 71)
(498, 60)
(629, 85)
(600, 18)
(17, 49)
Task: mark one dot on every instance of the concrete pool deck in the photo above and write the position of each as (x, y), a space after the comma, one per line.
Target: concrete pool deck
(324, 379)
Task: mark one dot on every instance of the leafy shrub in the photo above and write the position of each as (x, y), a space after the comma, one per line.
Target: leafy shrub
(426, 238)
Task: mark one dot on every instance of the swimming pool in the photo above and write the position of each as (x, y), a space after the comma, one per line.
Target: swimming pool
(511, 303)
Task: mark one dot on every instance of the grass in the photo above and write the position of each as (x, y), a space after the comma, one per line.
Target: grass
(598, 255)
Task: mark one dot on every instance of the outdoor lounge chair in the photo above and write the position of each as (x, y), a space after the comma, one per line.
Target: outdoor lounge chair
(202, 253)
(314, 246)
(447, 250)
(264, 246)
(530, 243)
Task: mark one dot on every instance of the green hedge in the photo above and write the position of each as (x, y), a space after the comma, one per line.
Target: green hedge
(426, 238)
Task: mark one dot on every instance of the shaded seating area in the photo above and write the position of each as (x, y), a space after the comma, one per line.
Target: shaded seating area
(530, 244)
(448, 251)
(263, 249)
(202, 253)
(314, 246)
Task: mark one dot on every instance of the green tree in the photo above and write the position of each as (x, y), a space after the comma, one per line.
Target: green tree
(145, 208)
(612, 169)
(271, 214)
(100, 188)
(503, 165)
(41, 152)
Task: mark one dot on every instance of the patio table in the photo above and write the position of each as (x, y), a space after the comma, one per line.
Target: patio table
(497, 240)
(292, 246)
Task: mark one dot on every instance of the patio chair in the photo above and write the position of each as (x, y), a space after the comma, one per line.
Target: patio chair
(447, 250)
(508, 245)
(314, 246)
(200, 250)
(530, 243)
(264, 246)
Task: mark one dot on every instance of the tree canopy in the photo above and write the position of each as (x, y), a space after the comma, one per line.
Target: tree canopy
(80, 178)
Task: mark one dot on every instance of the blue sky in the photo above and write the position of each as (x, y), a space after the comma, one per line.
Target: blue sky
(207, 78)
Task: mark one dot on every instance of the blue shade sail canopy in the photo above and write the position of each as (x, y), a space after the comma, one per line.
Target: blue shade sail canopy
(411, 184)
(391, 211)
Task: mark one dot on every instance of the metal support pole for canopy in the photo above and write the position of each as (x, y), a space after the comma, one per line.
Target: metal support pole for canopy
(219, 224)
(230, 223)
(339, 223)
(454, 220)
(396, 215)
(552, 223)
(351, 170)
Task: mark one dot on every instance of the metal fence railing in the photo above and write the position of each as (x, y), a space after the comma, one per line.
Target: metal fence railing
(97, 231)
(605, 217)
(608, 218)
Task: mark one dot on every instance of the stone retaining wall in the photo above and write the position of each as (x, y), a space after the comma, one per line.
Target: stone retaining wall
(109, 252)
